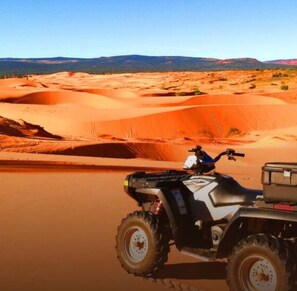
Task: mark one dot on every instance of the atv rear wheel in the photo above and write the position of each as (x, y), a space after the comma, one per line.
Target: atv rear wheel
(142, 247)
(260, 263)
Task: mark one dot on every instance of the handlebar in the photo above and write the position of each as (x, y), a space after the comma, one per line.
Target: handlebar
(239, 155)
(229, 152)
(203, 163)
(195, 149)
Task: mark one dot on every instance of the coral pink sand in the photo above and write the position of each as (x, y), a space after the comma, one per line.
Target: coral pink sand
(68, 140)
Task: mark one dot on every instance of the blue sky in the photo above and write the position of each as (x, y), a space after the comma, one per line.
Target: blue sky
(263, 29)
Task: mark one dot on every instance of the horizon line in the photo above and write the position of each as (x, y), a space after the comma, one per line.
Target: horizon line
(143, 55)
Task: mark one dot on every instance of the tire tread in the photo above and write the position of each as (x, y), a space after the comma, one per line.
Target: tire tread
(161, 244)
(276, 245)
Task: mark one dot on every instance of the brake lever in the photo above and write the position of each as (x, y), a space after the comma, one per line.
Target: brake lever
(231, 158)
(230, 152)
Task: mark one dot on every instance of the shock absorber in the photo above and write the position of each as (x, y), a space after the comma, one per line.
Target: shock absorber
(157, 207)
(159, 210)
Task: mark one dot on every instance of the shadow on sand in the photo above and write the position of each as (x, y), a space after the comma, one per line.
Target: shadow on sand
(193, 271)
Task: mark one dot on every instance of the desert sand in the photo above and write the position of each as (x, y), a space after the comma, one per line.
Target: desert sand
(67, 141)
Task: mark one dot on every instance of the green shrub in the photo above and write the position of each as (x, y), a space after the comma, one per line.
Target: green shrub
(284, 87)
(206, 133)
(233, 131)
(180, 94)
(197, 91)
(277, 75)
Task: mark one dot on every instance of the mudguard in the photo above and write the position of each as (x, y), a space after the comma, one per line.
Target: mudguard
(168, 188)
(155, 192)
(247, 216)
(174, 203)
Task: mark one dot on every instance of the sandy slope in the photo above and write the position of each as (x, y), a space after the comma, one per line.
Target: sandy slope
(59, 216)
(58, 231)
(58, 224)
(141, 108)
(91, 106)
(58, 227)
(62, 238)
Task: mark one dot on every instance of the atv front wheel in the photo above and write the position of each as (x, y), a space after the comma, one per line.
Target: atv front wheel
(260, 263)
(141, 246)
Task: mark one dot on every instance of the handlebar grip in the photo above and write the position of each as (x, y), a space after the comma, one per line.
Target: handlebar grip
(196, 149)
(239, 154)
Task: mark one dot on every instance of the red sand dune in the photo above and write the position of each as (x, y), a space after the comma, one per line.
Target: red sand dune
(228, 99)
(121, 122)
(23, 129)
(116, 149)
(65, 97)
(136, 108)
(115, 93)
(289, 97)
(129, 150)
(213, 120)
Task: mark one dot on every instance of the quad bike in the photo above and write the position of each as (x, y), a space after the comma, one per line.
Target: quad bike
(210, 216)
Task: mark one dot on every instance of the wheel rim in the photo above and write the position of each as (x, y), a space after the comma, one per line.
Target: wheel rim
(136, 244)
(258, 273)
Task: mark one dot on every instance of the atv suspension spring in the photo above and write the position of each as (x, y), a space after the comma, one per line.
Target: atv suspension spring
(158, 207)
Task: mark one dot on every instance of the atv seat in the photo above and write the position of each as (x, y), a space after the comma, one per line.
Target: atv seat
(229, 192)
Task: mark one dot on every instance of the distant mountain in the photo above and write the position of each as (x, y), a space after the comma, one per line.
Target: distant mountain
(130, 63)
(289, 62)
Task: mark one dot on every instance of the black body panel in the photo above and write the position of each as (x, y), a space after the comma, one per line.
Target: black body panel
(168, 187)
(229, 192)
(156, 180)
(235, 228)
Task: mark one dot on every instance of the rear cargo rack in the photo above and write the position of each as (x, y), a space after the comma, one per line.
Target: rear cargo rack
(142, 179)
(280, 182)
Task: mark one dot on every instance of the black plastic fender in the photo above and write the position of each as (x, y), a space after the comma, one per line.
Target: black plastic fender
(249, 216)
(158, 192)
(178, 216)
